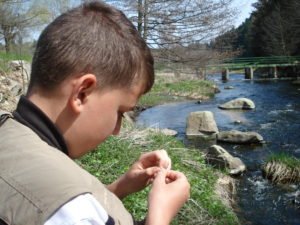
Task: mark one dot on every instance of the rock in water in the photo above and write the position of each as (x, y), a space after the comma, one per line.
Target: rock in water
(219, 157)
(239, 103)
(239, 137)
(201, 123)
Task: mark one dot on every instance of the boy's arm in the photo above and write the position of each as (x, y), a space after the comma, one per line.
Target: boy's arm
(169, 192)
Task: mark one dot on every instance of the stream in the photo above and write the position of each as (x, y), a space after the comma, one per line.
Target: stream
(276, 117)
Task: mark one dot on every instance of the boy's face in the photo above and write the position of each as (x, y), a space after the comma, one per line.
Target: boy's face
(102, 117)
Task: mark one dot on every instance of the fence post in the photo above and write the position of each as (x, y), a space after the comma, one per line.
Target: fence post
(225, 74)
(249, 73)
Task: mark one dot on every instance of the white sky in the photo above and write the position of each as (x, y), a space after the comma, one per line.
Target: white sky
(245, 8)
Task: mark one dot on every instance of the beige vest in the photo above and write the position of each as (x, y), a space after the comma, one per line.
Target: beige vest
(36, 179)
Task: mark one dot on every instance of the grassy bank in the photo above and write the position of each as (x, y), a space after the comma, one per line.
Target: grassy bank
(282, 168)
(112, 158)
(170, 90)
(6, 57)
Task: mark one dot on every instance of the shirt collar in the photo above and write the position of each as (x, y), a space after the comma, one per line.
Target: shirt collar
(31, 116)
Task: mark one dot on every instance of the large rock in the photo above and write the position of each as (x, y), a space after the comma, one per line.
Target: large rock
(201, 123)
(239, 103)
(219, 157)
(165, 131)
(20, 65)
(225, 188)
(13, 83)
(239, 137)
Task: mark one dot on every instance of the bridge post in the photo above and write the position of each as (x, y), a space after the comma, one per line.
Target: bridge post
(274, 72)
(225, 74)
(249, 73)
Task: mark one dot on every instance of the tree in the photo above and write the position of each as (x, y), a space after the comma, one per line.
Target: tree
(15, 17)
(180, 29)
(276, 28)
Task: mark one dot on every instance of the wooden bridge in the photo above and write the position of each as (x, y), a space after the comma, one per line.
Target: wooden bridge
(252, 63)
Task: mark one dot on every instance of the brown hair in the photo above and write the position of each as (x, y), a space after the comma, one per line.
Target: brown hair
(92, 38)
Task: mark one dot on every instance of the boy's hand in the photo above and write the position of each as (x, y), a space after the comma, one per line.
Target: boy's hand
(170, 190)
(141, 173)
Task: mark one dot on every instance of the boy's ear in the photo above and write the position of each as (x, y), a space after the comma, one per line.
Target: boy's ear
(82, 87)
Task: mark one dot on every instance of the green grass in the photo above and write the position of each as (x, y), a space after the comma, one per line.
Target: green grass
(286, 159)
(14, 56)
(6, 57)
(113, 157)
(164, 91)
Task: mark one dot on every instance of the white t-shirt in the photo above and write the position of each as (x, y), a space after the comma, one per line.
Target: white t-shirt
(82, 210)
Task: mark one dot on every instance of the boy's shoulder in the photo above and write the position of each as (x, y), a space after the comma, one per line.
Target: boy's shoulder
(4, 116)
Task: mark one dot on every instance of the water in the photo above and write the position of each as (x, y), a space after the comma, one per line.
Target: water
(276, 118)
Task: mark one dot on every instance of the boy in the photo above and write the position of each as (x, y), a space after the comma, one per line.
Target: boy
(90, 66)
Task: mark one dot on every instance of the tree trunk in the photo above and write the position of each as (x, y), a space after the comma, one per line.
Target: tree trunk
(7, 42)
(145, 34)
(140, 16)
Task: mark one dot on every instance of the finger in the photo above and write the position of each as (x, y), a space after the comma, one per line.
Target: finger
(160, 177)
(169, 164)
(155, 158)
(165, 160)
(174, 175)
(151, 171)
(150, 181)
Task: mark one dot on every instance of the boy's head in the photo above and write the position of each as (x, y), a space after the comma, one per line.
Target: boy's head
(92, 38)
(90, 66)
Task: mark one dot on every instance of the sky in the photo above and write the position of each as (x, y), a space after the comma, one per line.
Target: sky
(245, 9)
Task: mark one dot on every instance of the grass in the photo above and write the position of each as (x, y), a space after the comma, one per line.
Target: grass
(14, 56)
(6, 57)
(282, 168)
(286, 159)
(165, 90)
(114, 156)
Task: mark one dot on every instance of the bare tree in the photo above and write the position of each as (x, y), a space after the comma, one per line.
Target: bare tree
(179, 29)
(15, 17)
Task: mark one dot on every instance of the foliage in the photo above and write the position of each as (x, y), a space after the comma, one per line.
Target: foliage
(272, 30)
(112, 158)
(16, 19)
(276, 27)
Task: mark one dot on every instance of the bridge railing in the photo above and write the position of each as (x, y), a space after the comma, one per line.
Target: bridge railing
(256, 62)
